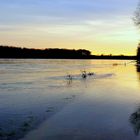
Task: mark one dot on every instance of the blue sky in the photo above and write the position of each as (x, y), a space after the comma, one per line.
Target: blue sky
(102, 26)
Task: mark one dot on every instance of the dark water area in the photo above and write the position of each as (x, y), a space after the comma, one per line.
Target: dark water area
(38, 101)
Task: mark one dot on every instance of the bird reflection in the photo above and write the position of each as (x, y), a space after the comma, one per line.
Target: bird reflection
(69, 79)
(135, 121)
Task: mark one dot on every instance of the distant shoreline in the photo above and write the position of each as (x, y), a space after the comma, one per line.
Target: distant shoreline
(10, 52)
(97, 58)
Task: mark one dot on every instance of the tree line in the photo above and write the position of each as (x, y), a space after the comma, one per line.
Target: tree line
(56, 53)
(17, 52)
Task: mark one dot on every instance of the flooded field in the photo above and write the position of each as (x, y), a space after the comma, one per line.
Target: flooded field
(51, 100)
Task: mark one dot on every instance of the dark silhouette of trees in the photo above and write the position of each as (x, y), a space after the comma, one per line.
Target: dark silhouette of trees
(17, 52)
(138, 53)
(136, 17)
(136, 20)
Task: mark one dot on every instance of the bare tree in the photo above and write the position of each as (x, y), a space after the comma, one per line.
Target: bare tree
(136, 17)
(136, 20)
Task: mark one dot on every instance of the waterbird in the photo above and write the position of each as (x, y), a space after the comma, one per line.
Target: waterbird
(69, 77)
(84, 75)
(90, 73)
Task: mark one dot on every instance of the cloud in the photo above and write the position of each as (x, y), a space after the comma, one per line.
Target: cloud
(64, 22)
(62, 11)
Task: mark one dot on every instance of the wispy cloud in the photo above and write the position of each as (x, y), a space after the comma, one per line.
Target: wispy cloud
(61, 21)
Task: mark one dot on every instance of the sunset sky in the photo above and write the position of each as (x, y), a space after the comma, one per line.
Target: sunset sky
(101, 26)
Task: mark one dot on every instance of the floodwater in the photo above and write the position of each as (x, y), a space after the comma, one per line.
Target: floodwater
(38, 101)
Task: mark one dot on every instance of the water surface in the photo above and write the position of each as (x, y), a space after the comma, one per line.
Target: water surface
(36, 96)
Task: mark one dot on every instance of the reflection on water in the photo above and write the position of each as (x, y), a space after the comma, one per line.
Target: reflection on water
(135, 117)
(138, 69)
(135, 121)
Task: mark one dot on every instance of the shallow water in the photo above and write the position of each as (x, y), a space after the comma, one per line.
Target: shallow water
(37, 95)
